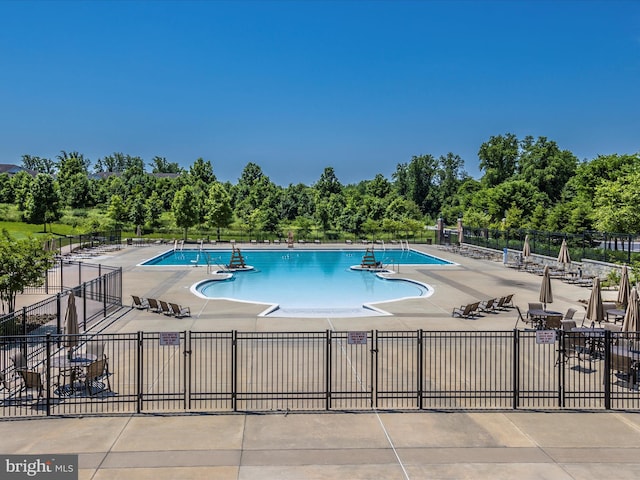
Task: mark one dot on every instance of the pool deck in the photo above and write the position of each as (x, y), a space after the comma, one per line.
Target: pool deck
(371, 445)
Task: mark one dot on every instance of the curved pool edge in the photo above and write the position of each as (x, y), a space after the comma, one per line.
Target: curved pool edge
(274, 310)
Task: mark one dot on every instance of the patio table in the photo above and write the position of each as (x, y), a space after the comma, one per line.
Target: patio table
(70, 368)
(540, 316)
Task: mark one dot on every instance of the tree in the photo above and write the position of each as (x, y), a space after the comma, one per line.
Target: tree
(117, 210)
(186, 208)
(545, 166)
(137, 211)
(154, 209)
(43, 201)
(161, 165)
(624, 194)
(328, 184)
(202, 172)
(40, 165)
(499, 159)
(72, 178)
(218, 207)
(23, 263)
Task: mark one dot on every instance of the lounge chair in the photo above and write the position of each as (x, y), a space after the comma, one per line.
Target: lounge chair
(154, 306)
(165, 308)
(504, 302)
(487, 305)
(139, 303)
(508, 301)
(179, 311)
(466, 311)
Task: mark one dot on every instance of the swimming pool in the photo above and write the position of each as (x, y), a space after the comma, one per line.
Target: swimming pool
(306, 283)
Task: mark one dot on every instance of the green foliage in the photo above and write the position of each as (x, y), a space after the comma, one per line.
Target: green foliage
(23, 263)
(186, 208)
(43, 201)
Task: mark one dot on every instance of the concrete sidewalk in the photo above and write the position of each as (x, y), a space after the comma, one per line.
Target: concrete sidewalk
(426, 445)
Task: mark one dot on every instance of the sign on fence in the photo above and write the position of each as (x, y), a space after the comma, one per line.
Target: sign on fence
(545, 336)
(357, 338)
(169, 339)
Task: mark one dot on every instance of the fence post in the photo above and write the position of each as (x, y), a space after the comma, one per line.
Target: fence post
(374, 369)
(58, 316)
(61, 274)
(83, 289)
(140, 357)
(607, 369)
(187, 369)
(104, 296)
(234, 370)
(327, 367)
(515, 368)
(420, 373)
(560, 365)
(24, 321)
(48, 373)
(79, 272)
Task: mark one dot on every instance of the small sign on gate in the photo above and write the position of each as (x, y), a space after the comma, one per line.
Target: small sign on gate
(357, 338)
(545, 336)
(169, 339)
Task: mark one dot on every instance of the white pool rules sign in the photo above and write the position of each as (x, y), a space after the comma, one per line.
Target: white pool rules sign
(357, 338)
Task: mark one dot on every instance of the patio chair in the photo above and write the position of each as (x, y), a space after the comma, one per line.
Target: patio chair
(533, 306)
(179, 311)
(94, 376)
(32, 381)
(570, 313)
(553, 322)
(19, 361)
(139, 303)
(575, 344)
(626, 368)
(519, 318)
(97, 349)
(5, 386)
(165, 308)
(154, 306)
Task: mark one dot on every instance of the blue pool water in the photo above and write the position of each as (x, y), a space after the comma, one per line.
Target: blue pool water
(305, 281)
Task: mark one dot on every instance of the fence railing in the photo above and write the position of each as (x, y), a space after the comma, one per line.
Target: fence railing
(600, 246)
(95, 298)
(281, 371)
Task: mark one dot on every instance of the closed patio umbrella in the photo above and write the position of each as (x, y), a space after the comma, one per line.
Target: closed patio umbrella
(71, 323)
(526, 248)
(624, 288)
(563, 255)
(595, 309)
(546, 296)
(631, 321)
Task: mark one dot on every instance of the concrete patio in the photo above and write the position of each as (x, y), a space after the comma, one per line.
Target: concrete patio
(375, 445)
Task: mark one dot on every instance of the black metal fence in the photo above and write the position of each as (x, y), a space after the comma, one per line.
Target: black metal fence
(600, 246)
(67, 243)
(278, 371)
(95, 298)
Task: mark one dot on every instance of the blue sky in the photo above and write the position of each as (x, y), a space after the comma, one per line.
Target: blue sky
(296, 86)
